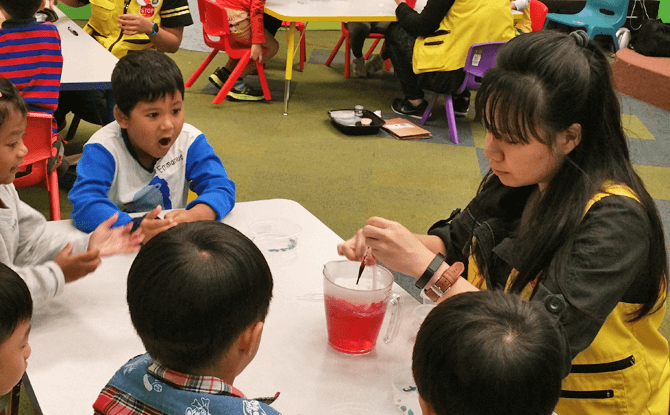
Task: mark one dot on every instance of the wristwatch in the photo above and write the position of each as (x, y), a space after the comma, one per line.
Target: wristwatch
(154, 28)
(437, 287)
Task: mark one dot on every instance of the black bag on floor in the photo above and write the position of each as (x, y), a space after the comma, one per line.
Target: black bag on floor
(653, 39)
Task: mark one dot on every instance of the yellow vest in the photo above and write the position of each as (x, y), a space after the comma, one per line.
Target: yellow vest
(468, 22)
(523, 24)
(103, 24)
(641, 382)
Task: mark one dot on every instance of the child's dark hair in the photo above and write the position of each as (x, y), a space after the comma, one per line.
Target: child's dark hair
(16, 304)
(543, 83)
(10, 100)
(488, 352)
(145, 75)
(193, 289)
(21, 9)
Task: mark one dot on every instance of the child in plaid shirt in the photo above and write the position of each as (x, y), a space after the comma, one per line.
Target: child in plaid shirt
(198, 296)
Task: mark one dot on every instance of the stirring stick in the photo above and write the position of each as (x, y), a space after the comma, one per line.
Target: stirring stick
(360, 270)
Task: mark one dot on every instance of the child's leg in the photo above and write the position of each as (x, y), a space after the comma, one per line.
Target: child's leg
(358, 32)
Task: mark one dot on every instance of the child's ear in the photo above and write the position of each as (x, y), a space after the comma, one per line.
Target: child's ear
(121, 118)
(250, 338)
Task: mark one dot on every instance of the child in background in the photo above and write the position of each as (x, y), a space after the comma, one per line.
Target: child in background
(249, 29)
(30, 54)
(148, 158)
(39, 254)
(16, 309)
(358, 32)
(198, 297)
(488, 352)
(121, 26)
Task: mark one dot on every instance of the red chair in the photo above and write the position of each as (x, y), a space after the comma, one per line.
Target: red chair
(347, 50)
(39, 140)
(481, 57)
(301, 29)
(215, 25)
(538, 14)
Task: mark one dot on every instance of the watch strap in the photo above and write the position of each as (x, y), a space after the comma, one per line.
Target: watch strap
(430, 271)
(445, 281)
(154, 28)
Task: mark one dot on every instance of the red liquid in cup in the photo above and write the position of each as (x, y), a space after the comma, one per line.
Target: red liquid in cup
(411, 3)
(353, 328)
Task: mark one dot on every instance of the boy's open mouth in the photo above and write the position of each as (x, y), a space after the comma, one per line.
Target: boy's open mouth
(164, 142)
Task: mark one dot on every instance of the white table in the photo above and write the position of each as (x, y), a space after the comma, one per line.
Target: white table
(82, 337)
(326, 11)
(86, 63)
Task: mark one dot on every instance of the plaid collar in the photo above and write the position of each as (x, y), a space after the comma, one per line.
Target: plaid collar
(193, 383)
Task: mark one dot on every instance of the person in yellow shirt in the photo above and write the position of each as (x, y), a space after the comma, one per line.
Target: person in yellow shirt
(428, 49)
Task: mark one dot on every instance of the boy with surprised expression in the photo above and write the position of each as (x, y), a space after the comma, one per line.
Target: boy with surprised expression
(149, 158)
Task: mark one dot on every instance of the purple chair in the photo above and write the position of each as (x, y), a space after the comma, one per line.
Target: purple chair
(481, 57)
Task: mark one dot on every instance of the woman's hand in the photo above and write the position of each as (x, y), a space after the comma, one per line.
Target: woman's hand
(354, 248)
(111, 241)
(396, 247)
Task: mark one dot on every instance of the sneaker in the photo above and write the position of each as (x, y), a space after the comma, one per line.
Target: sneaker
(375, 64)
(219, 77)
(461, 105)
(245, 93)
(402, 106)
(359, 67)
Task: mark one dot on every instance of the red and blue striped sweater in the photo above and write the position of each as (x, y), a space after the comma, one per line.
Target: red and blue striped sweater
(30, 57)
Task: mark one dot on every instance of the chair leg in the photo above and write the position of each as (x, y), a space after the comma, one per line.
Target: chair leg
(264, 82)
(451, 119)
(54, 196)
(426, 113)
(235, 74)
(334, 52)
(372, 48)
(73, 128)
(303, 53)
(201, 68)
(347, 56)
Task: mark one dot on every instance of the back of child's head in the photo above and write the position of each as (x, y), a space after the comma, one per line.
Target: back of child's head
(488, 352)
(10, 100)
(20, 9)
(193, 289)
(16, 304)
(145, 76)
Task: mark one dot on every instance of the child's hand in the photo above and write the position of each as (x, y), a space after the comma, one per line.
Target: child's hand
(132, 24)
(179, 216)
(256, 52)
(110, 241)
(75, 266)
(152, 225)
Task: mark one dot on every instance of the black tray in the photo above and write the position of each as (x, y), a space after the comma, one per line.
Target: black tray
(345, 121)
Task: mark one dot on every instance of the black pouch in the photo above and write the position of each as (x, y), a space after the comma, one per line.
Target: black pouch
(653, 39)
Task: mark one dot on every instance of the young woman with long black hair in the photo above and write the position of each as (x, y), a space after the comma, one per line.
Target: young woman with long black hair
(561, 218)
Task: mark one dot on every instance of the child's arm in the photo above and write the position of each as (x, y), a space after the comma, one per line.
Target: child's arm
(90, 204)
(30, 254)
(256, 10)
(208, 179)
